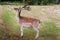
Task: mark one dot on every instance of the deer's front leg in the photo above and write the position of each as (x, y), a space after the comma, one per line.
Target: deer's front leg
(21, 31)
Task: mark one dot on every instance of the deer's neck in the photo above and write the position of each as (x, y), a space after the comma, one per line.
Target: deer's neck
(18, 16)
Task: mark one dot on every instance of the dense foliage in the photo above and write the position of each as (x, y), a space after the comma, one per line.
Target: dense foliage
(36, 2)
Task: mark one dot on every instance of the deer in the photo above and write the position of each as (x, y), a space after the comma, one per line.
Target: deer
(27, 22)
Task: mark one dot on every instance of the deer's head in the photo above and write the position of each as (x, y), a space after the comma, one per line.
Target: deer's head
(26, 7)
(18, 10)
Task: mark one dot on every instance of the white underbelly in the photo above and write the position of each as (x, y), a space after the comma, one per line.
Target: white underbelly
(27, 24)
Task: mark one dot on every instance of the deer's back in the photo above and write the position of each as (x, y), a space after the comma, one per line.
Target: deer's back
(28, 20)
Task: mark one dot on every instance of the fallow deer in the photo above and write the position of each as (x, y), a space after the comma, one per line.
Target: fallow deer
(26, 21)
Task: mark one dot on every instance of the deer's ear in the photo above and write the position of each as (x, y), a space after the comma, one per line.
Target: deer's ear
(15, 8)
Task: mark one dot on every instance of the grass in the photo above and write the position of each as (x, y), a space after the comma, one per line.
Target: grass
(11, 31)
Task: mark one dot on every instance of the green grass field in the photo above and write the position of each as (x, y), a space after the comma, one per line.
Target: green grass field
(49, 29)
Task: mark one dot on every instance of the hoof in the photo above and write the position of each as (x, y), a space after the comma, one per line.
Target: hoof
(35, 39)
(21, 36)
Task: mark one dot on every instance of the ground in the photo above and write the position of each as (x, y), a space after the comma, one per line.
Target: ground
(49, 29)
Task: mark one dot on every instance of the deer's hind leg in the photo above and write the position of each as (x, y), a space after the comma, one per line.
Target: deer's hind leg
(36, 28)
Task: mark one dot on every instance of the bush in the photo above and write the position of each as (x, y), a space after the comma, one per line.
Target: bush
(36, 2)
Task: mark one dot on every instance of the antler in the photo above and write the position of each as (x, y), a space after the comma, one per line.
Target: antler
(26, 7)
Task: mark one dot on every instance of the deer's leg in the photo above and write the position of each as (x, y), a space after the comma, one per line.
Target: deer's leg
(36, 28)
(37, 35)
(21, 31)
(37, 32)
